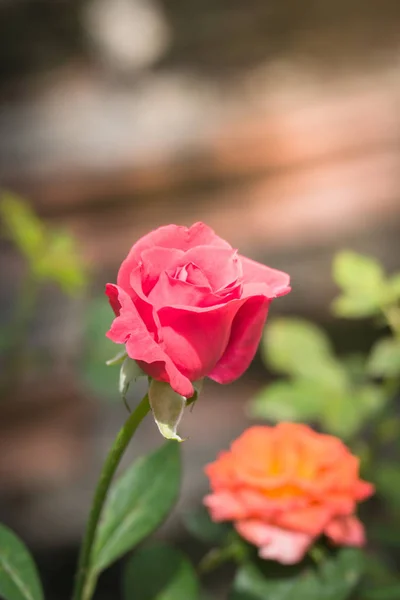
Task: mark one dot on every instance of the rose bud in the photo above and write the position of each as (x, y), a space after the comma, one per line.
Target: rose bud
(188, 306)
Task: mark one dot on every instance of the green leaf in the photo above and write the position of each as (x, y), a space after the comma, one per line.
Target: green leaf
(346, 414)
(355, 307)
(61, 263)
(23, 226)
(378, 574)
(139, 501)
(298, 400)
(355, 365)
(334, 579)
(340, 410)
(130, 371)
(118, 359)
(385, 358)
(390, 592)
(296, 347)
(52, 255)
(362, 281)
(393, 288)
(388, 535)
(356, 272)
(159, 572)
(199, 525)
(19, 579)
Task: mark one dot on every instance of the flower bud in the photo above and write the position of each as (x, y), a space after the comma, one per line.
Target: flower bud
(167, 407)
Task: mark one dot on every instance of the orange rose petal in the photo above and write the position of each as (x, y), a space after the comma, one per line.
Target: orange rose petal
(364, 490)
(224, 506)
(311, 520)
(347, 531)
(275, 543)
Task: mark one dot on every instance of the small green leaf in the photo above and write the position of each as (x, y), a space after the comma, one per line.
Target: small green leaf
(117, 359)
(139, 501)
(390, 592)
(23, 226)
(199, 525)
(334, 579)
(355, 365)
(385, 358)
(393, 288)
(19, 579)
(346, 414)
(355, 307)
(356, 272)
(52, 255)
(295, 346)
(297, 400)
(61, 263)
(362, 281)
(130, 371)
(159, 572)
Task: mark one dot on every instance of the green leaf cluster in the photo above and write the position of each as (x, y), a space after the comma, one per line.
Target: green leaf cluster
(51, 254)
(138, 502)
(335, 578)
(365, 288)
(319, 387)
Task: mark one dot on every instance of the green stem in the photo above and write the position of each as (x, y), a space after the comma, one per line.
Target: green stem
(86, 579)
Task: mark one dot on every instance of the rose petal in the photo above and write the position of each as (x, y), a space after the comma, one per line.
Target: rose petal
(196, 338)
(221, 472)
(128, 328)
(286, 547)
(338, 503)
(270, 282)
(364, 490)
(194, 275)
(221, 266)
(180, 237)
(142, 303)
(310, 520)
(174, 292)
(224, 506)
(171, 236)
(155, 261)
(244, 338)
(260, 506)
(348, 531)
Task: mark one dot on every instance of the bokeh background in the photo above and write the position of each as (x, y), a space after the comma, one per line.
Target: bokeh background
(276, 123)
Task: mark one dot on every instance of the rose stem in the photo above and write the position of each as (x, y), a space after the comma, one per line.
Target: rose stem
(86, 580)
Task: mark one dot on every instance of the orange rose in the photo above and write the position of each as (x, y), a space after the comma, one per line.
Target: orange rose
(285, 486)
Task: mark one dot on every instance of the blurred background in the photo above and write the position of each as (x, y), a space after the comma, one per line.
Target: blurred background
(276, 123)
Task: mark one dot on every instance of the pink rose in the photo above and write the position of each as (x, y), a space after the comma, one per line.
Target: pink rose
(187, 306)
